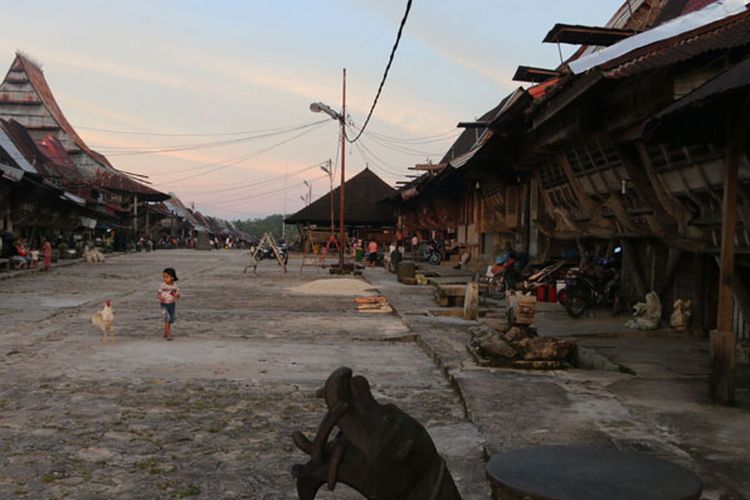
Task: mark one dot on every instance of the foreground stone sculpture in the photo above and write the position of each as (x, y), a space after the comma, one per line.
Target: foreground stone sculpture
(380, 451)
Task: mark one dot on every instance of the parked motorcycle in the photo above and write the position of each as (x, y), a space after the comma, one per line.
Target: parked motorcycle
(432, 252)
(587, 290)
(512, 272)
(266, 252)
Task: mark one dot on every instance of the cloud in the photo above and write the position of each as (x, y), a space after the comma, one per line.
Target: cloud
(230, 75)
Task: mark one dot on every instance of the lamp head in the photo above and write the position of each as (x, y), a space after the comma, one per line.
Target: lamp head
(318, 107)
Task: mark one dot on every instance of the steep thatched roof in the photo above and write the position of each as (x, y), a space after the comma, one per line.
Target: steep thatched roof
(361, 207)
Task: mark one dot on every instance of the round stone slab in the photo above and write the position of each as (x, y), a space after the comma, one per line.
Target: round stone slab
(584, 473)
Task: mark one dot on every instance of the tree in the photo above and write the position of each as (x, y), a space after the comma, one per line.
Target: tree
(271, 224)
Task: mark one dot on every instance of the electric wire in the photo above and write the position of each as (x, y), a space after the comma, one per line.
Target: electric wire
(444, 136)
(402, 149)
(372, 160)
(194, 134)
(258, 182)
(384, 165)
(201, 145)
(261, 195)
(248, 156)
(385, 74)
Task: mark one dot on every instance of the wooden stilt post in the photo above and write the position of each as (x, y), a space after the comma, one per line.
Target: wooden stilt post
(724, 339)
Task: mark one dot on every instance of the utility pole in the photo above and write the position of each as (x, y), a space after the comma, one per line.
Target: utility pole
(330, 181)
(317, 107)
(283, 224)
(342, 196)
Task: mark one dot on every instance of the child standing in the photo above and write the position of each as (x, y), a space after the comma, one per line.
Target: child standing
(168, 294)
(34, 258)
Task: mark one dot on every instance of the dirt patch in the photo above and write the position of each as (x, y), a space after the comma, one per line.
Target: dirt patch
(341, 287)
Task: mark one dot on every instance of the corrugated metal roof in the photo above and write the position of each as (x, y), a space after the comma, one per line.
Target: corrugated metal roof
(115, 181)
(9, 172)
(645, 42)
(13, 152)
(175, 205)
(725, 34)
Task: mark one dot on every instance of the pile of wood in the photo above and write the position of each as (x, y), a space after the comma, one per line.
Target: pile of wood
(373, 304)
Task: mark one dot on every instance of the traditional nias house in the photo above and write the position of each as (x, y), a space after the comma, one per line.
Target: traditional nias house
(26, 97)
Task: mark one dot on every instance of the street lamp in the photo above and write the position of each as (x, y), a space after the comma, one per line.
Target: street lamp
(319, 107)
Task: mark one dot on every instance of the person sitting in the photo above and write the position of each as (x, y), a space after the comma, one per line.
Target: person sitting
(372, 253)
(18, 255)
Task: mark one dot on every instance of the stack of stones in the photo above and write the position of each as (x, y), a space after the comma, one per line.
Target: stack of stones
(520, 346)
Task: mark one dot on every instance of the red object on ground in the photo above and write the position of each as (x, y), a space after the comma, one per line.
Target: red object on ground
(551, 293)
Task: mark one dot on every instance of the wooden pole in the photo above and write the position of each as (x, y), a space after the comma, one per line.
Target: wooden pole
(330, 181)
(135, 215)
(148, 228)
(724, 339)
(342, 197)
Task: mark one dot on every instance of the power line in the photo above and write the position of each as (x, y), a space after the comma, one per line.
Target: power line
(262, 195)
(442, 137)
(201, 145)
(195, 134)
(248, 156)
(385, 73)
(372, 159)
(259, 182)
(401, 149)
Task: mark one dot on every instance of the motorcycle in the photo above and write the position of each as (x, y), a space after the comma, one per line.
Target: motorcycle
(432, 253)
(513, 273)
(266, 252)
(503, 276)
(588, 290)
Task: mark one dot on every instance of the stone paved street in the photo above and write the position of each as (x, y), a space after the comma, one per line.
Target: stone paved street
(210, 414)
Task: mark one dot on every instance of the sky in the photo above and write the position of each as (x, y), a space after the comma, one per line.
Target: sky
(210, 99)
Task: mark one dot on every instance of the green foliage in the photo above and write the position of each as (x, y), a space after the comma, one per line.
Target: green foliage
(270, 224)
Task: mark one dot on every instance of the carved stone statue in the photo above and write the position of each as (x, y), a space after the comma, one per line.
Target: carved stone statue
(379, 450)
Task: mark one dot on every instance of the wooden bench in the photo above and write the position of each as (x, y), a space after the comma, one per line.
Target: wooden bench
(5, 262)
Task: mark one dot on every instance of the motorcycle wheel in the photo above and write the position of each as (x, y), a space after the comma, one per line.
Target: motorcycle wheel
(436, 259)
(576, 303)
(497, 289)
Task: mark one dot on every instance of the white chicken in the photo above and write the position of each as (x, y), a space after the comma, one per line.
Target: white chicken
(105, 320)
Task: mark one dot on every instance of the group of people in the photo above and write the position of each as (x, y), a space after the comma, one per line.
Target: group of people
(23, 257)
(372, 256)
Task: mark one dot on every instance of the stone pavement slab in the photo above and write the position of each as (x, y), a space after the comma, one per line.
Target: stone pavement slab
(662, 409)
(210, 414)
